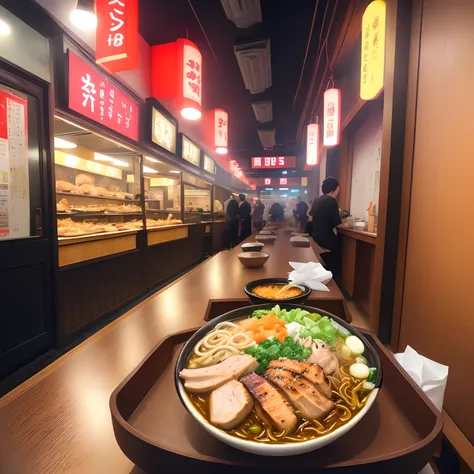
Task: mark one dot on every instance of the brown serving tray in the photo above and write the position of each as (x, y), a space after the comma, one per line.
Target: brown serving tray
(397, 435)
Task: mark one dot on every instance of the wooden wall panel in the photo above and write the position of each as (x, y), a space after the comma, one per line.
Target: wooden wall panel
(437, 310)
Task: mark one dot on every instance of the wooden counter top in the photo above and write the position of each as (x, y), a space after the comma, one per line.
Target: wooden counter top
(369, 237)
(59, 421)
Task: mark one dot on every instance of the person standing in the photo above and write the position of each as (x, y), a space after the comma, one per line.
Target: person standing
(245, 220)
(258, 215)
(276, 212)
(232, 215)
(301, 213)
(325, 213)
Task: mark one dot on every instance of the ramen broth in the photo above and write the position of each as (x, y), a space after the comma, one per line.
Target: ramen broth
(270, 291)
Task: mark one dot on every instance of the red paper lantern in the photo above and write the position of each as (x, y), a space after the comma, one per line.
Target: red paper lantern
(176, 73)
(332, 117)
(220, 127)
(312, 144)
(117, 34)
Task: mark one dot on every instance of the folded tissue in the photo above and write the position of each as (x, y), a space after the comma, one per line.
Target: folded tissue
(430, 376)
(311, 273)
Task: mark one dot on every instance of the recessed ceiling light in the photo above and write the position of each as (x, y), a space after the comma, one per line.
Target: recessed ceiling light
(120, 163)
(101, 157)
(153, 160)
(175, 172)
(4, 28)
(284, 172)
(221, 150)
(146, 169)
(83, 16)
(60, 143)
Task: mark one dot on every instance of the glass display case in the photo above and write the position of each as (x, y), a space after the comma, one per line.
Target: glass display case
(197, 200)
(97, 184)
(162, 187)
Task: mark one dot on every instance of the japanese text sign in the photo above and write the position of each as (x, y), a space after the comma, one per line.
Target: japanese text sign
(332, 117)
(312, 144)
(291, 181)
(273, 162)
(117, 34)
(93, 96)
(209, 165)
(192, 73)
(373, 50)
(221, 123)
(190, 152)
(163, 131)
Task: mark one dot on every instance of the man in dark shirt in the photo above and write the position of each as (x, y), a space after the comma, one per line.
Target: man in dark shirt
(325, 214)
(232, 214)
(245, 220)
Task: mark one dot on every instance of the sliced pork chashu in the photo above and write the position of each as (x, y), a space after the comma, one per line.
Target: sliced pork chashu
(207, 379)
(272, 403)
(312, 372)
(302, 394)
(229, 405)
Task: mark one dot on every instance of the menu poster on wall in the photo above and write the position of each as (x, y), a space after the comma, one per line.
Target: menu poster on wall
(14, 179)
(191, 152)
(163, 132)
(209, 165)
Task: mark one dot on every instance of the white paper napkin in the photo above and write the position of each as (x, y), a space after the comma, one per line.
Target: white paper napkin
(429, 375)
(312, 274)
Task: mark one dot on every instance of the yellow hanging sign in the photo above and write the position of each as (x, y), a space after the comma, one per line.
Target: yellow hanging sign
(373, 50)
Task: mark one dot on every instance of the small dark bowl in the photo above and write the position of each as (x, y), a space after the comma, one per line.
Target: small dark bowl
(278, 281)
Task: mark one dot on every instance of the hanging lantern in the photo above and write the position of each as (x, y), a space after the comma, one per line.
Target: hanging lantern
(332, 117)
(117, 34)
(218, 126)
(373, 50)
(176, 73)
(312, 144)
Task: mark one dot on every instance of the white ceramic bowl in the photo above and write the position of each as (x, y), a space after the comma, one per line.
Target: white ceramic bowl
(263, 449)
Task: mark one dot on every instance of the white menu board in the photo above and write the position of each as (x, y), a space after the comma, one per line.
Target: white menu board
(14, 179)
(209, 165)
(191, 152)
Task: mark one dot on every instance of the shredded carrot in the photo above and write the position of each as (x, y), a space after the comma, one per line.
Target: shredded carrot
(265, 327)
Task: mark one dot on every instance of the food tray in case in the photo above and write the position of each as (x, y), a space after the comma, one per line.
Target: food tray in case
(154, 430)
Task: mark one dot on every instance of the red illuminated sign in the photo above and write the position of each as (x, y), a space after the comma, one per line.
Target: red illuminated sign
(117, 34)
(292, 181)
(93, 96)
(273, 162)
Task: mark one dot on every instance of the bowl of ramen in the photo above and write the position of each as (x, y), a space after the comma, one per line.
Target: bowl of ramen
(269, 290)
(278, 380)
(253, 259)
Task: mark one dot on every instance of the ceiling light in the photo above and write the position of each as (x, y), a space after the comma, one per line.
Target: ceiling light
(190, 113)
(283, 189)
(243, 13)
(263, 111)
(120, 163)
(146, 169)
(153, 160)
(100, 157)
(175, 172)
(268, 189)
(267, 138)
(255, 65)
(221, 150)
(83, 16)
(4, 28)
(283, 195)
(60, 143)
(284, 172)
